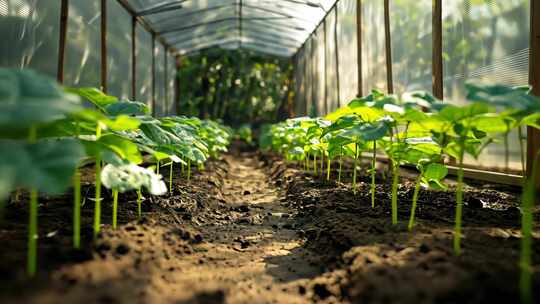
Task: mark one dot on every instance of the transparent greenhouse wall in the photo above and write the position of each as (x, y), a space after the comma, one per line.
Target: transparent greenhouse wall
(486, 41)
(82, 61)
(118, 51)
(373, 46)
(144, 65)
(411, 34)
(331, 66)
(29, 31)
(347, 45)
(317, 79)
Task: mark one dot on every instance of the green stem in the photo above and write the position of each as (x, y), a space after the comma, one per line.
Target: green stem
(315, 164)
(414, 200)
(115, 208)
(373, 165)
(139, 203)
(340, 163)
(157, 167)
(506, 152)
(307, 161)
(521, 150)
(77, 210)
(31, 263)
(354, 169)
(189, 169)
(97, 206)
(170, 178)
(322, 163)
(328, 167)
(395, 180)
(459, 206)
(527, 222)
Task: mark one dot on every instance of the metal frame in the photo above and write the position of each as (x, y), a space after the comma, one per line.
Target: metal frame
(533, 135)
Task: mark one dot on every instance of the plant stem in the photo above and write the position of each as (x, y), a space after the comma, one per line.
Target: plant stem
(115, 208)
(97, 206)
(525, 257)
(521, 150)
(189, 169)
(315, 164)
(170, 178)
(506, 152)
(157, 167)
(373, 165)
(307, 161)
(459, 205)
(414, 200)
(395, 180)
(77, 210)
(354, 169)
(139, 203)
(31, 264)
(340, 163)
(322, 163)
(328, 167)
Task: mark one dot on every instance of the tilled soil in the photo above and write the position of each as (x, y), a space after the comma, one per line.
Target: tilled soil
(252, 229)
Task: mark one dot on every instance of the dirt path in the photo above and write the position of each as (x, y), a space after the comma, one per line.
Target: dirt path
(257, 256)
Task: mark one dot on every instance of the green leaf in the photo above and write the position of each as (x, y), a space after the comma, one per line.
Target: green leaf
(47, 165)
(95, 96)
(28, 98)
(127, 108)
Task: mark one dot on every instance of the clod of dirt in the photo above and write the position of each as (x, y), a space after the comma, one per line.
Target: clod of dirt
(321, 291)
(475, 203)
(122, 249)
(247, 192)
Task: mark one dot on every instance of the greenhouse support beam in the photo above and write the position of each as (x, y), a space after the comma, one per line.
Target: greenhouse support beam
(166, 72)
(133, 58)
(533, 135)
(326, 106)
(64, 11)
(359, 47)
(336, 47)
(437, 60)
(104, 46)
(153, 74)
(388, 44)
(177, 83)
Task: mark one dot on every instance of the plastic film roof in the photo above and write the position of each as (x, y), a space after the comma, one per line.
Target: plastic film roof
(276, 27)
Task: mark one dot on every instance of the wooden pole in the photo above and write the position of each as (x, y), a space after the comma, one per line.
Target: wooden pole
(153, 74)
(388, 44)
(359, 47)
(104, 45)
(64, 14)
(326, 106)
(177, 85)
(533, 135)
(336, 46)
(134, 58)
(166, 101)
(437, 60)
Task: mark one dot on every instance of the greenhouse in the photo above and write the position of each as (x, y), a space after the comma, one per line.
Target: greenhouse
(270, 151)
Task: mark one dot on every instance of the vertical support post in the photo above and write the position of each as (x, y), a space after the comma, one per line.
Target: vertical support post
(388, 43)
(437, 60)
(177, 85)
(153, 74)
(104, 45)
(64, 13)
(306, 70)
(292, 87)
(165, 54)
(134, 58)
(336, 46)
(359, 92)
(533, 135)
(326, 105)
(314, 102)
